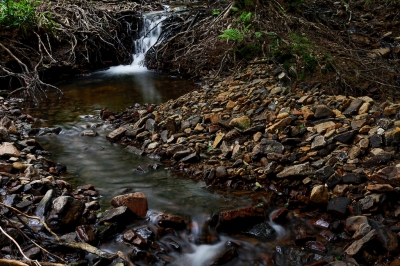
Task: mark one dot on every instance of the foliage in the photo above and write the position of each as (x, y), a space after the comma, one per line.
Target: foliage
(23, 14)
(234, 34)
(297, 51)
(216, 12)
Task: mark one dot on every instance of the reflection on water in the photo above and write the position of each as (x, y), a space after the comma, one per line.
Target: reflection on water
(104, 89)
(108, 166)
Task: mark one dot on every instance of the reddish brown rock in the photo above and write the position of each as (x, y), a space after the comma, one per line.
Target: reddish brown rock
(388, 175)
(279, 216)
(135, 202)
(239, 219)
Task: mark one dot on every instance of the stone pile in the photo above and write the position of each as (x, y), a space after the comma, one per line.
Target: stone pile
(337, 154)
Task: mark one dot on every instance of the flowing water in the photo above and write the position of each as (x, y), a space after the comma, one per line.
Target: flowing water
(112, 169)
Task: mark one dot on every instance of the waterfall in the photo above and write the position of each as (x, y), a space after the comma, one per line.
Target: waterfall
(151, 30)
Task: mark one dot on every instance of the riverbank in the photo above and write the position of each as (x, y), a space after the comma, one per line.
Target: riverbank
(330, 157)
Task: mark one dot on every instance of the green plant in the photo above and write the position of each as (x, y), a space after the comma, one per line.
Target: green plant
(234, 34)
(234, 9)
(23, 15)
(245, 17)
(216, 12)
(257, 34)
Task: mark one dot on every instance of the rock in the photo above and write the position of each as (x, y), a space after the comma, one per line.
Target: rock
(307, 113)
(120, 215)
(116, 134)
(135, 202)
(242, 122)
(221, 172)
(85, 233)
(324, 172)
(194, 157)
(135, 150)
(298, 170)
(89, 133)
(44, 204)
(152, 145)
(318, 142)
(357, 245)
(279, 216)
(323, 111)
(357, 124)
(181, 154)
(9, 150)
(261, 230)
(319, 195)
(227, 255)
(388, 175)
(392, 137)
(199, 127)
(218, 139)
(240, 219)
(338, 206)
(65, 212)
(167, 220)
(380, 188)
(151, 125)
(351, 179)
(353, 108)
(322, 127)
(6, 167)
(376, 141)
(345, 137)
(279, 125)
(354, 222)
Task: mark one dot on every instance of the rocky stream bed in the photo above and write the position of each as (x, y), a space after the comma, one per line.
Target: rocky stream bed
(323, 168)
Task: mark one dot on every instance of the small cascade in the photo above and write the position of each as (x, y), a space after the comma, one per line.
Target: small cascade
(151, 30)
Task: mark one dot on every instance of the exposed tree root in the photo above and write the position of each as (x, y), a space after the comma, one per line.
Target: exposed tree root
(80, 35)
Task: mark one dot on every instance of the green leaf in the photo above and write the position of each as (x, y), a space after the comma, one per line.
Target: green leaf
(258, 185)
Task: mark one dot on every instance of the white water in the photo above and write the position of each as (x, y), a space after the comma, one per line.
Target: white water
(152, 28)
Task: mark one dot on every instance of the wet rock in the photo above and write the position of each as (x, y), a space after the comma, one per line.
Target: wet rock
(89, 133)
(240, 219)
(116, 134)
(323, 111)
(299, 170)
(316, 246)
(279, 216)
(194, 157)
(66, 211)
(227, 255)
(120, 214)
(135, 150)
(319, 195)
(357, 245)
(167, 220)
(44, 205)
(338, 206)
(181, 154)
(85, 233)
(242, 122)
(135, 202)
(261, 230)
(9, 150)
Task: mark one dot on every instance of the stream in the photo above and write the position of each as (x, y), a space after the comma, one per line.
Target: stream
(113, 170)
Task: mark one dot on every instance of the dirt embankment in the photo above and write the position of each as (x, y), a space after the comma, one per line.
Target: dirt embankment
(349, 48)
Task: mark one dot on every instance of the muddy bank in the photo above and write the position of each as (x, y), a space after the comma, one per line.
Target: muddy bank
(334, 156)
